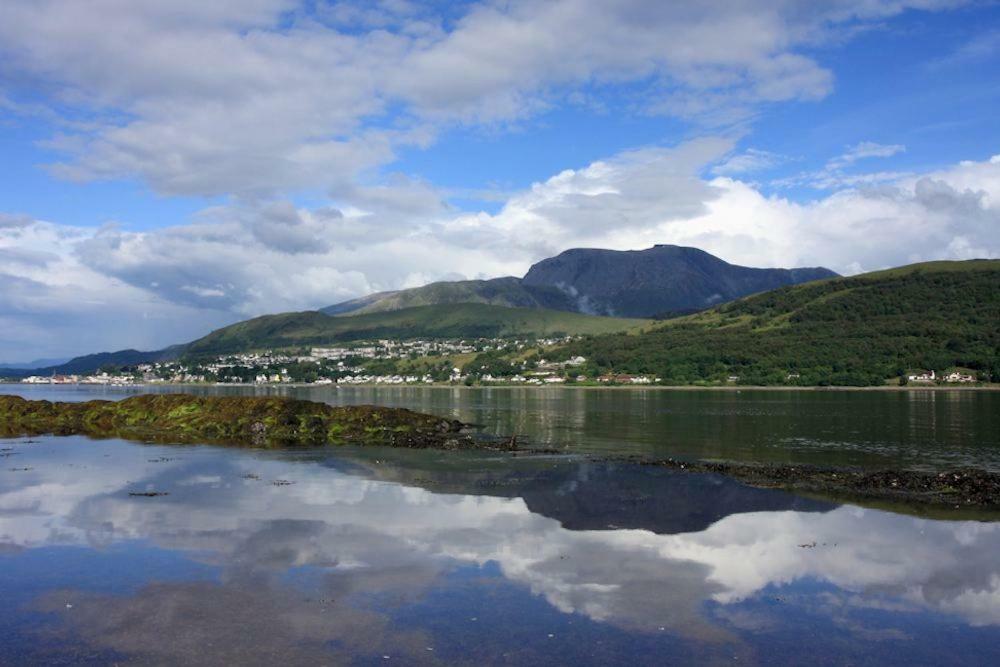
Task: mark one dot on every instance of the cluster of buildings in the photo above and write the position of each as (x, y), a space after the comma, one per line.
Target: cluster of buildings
(352, 364)
(527, 378)
(627, 379)
(955, 377)
(402, 349)
(379, 379)
(100, 378)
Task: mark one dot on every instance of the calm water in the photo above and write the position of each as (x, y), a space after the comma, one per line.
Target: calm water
(916, 429)
(379, 556)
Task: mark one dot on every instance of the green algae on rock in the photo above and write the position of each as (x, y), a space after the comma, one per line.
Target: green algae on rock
(257, 421)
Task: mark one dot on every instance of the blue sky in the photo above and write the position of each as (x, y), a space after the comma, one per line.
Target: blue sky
(176, 167)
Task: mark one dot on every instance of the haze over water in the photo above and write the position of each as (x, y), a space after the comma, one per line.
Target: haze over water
(318, 556)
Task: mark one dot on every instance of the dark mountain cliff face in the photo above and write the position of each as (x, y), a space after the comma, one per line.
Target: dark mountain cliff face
(661, 279)
(630, 283)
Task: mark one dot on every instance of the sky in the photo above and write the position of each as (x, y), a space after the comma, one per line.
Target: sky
(169, 167)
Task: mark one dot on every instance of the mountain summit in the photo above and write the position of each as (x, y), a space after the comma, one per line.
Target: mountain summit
(664, 279)
(658, 280)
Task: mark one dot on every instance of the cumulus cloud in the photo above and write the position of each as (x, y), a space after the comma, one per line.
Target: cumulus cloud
(9, 221)
(52, 303)
(639, 199)
(606, 202)
(258, 256)
(270, 95)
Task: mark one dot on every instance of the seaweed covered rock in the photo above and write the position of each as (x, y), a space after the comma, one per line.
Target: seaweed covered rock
(967, 487)
(233, 420)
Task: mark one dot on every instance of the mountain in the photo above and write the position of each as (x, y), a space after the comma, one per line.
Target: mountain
(466, 320)
(857, 330)
(509, 292)
(845, 331)
(660, 280)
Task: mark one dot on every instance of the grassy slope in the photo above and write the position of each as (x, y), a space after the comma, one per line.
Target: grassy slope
(508, 292)
(501, 293)
(858, 330)
(467, 320)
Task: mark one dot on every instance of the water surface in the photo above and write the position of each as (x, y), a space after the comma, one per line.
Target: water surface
(374, 556)
(350, 556)
(920, 429)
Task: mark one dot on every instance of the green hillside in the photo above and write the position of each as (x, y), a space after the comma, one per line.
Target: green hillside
(509, 292)
(93, 362)
(861, 330)
(466, 320)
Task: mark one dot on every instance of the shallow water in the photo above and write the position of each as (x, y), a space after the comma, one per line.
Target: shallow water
(368, 556)
(333, 556)
(915, 429)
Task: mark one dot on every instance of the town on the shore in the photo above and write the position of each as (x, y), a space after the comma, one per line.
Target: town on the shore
(496, 361)
(388, 362)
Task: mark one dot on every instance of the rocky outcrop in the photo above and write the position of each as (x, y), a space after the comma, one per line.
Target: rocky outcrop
(252, 421)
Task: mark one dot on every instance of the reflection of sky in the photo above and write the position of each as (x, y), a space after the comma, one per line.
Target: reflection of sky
(372, 536)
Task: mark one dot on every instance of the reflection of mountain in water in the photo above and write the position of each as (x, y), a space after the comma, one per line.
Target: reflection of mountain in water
(661, 501)
(593, 496)
(463, 530)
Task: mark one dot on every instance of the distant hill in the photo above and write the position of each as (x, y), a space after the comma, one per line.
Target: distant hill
(659, 281)
(92, 362)
(37, 363)
(468, 320)
(846, 331)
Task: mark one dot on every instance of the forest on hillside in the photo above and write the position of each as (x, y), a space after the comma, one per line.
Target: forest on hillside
(852, 331)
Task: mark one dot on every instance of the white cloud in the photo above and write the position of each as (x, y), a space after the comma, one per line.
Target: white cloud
(9, 221)
(273, 95)
(54, 304)
(749, 161)
(253, 257)
(862, 151)
(852, 230)
(836, 175)
(643, 198)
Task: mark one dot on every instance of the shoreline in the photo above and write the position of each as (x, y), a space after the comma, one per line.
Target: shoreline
(641, 387)
(283, 421)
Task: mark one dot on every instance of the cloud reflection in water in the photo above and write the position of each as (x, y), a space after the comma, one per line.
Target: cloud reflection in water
(365, 539)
